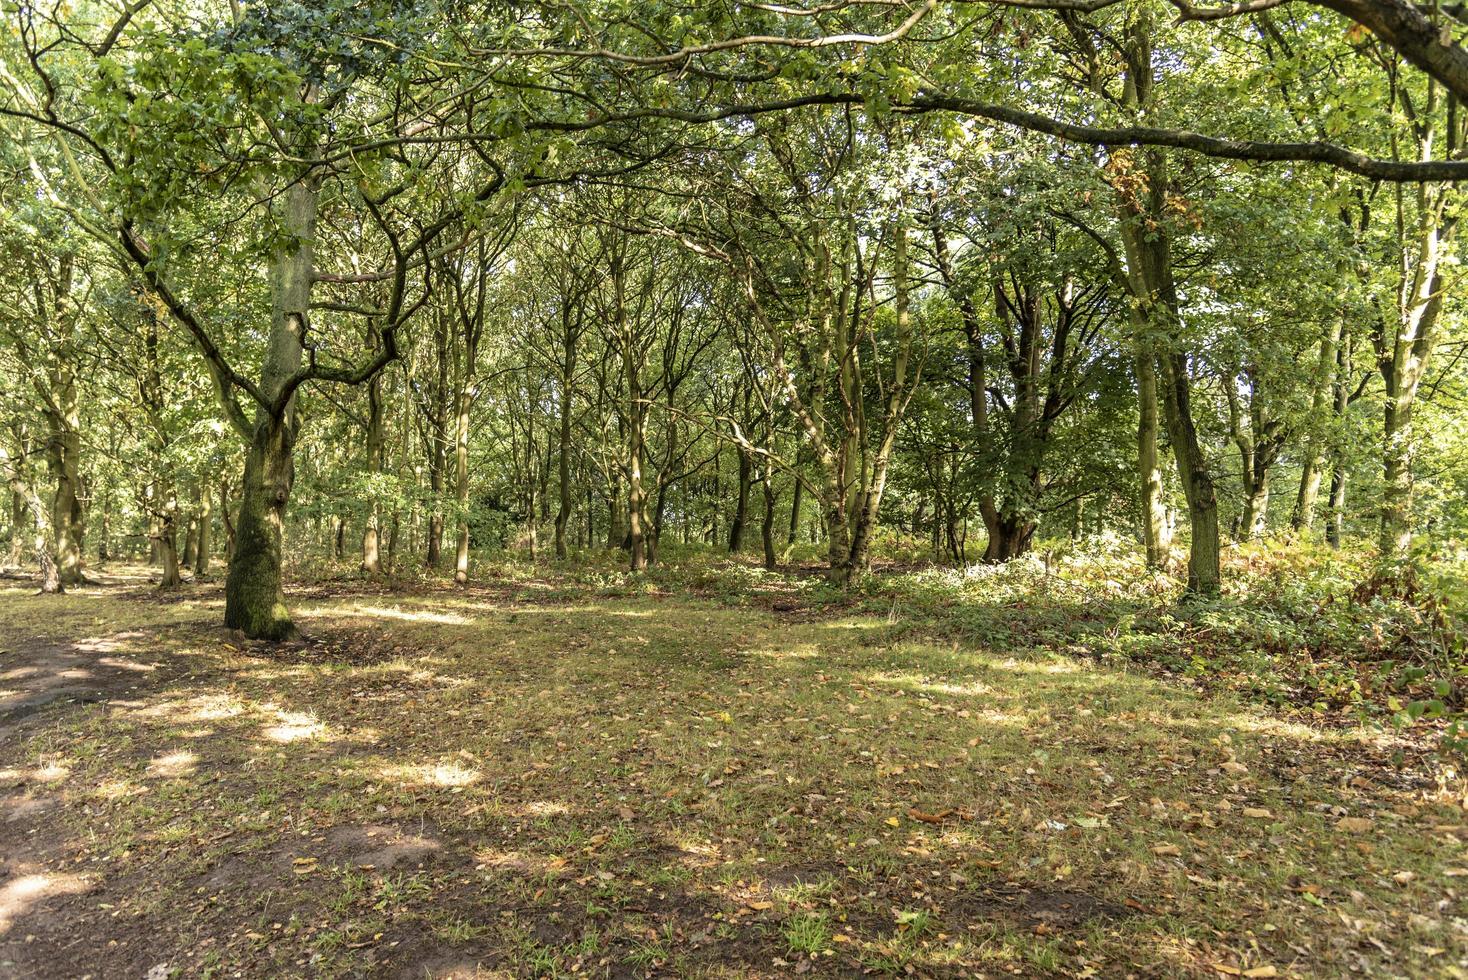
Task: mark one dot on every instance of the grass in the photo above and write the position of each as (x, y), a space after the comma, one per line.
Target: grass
(555, 777)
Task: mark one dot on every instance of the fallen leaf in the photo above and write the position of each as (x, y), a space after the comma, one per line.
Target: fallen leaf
(1167, 850)
(1353, 825)
(1257, 813)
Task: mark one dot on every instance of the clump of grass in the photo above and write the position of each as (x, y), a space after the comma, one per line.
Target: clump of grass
(809, 932)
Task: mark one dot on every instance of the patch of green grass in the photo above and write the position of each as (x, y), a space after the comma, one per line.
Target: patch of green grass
(808, 932)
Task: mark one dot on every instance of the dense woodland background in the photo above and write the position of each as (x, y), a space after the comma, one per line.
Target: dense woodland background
(401, 285)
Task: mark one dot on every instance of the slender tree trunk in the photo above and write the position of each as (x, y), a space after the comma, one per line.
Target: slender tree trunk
(204, 540)
(1154, 507)
(563, 460)
(1336, 525)
(376, 444)
(461, 480)
(1303, 517)
(17, 528)
(224, 512)
(767, 526)
(741, 506)
(190, 543)
(1204, 573)
(797, 497)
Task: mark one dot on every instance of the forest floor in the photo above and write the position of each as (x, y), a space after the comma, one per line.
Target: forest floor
(532, 779)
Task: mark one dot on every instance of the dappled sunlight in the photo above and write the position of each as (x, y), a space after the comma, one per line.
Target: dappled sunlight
(803, 651)
(109, 644)
(446, 775)
(20, 895)
(122, 664)
(855, 625)
(112, 790)
(927, 685)
(739, 782)
(202, 708)
(385, 612)
(173, 764)
(497, 859)
(51, 772)
(537, 808)
(215, 707)
(295, 726)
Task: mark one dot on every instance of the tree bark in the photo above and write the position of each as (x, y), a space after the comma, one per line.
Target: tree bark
(1204, 573)
(254, 595)
(741, 506)
(204, 539)
(563, 461)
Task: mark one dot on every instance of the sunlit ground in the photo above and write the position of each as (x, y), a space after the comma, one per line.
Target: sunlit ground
(452, 785)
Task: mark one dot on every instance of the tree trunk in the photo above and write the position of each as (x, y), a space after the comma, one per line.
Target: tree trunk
(371, 534)
(254, 596)
(63, 455)
(203, 541)
(461, 480)
(168, 552)
(224, 510)
(1253, 522)
(1155, 536)
(1204, 573)
(563, 462)
(1303, 517)
(1335, 527)
(17, 525)
(767, 526)
(741, 507)
(797, 497)
(190, 543)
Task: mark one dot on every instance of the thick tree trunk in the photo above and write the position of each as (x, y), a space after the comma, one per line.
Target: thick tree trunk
(254, 596)
(1253, 521)
(66, 508)
(1009, 538)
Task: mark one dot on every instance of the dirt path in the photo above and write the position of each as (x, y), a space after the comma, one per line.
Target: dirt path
(47, 889)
